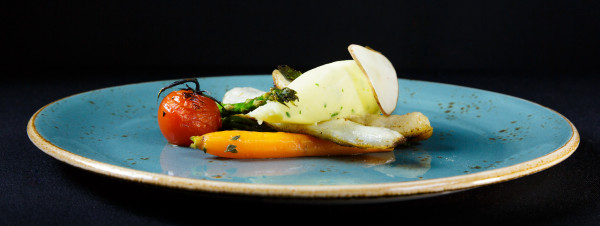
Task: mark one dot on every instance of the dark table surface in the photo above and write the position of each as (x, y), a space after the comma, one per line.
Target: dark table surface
(36, 189)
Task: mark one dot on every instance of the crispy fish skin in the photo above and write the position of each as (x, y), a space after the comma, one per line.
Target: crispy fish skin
(415, 126)
(346, 132)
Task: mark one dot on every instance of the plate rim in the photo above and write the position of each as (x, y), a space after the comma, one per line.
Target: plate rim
(391, 189)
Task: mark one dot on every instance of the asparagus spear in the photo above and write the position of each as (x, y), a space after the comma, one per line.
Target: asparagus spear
(283, 96)
(232, 115)
(241, 122)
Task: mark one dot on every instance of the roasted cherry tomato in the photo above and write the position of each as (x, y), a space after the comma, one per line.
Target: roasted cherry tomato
(186, 113)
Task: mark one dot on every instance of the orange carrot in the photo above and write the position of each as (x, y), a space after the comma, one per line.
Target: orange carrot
(249, 144)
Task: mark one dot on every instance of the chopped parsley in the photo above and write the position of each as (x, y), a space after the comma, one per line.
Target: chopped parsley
(231, 148)
(235, 137)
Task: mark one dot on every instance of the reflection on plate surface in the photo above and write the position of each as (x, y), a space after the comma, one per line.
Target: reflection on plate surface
(480, 137)
(357, 169)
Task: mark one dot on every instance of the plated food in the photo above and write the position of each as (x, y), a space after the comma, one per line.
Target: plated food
(340, 108)
(480, 138)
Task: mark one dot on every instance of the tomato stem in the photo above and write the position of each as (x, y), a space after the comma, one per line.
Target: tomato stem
(183, 81)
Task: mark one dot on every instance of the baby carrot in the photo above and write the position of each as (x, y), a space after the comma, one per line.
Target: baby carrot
(251, 144)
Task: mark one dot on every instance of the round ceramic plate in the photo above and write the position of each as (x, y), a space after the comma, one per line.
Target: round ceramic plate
(479, 138)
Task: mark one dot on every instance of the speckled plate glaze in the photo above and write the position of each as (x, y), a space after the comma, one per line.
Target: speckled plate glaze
(480, 138)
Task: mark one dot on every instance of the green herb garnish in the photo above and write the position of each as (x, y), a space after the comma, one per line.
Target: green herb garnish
(288, 72)
(231, 148)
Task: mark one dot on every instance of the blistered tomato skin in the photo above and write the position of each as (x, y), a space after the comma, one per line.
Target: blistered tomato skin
(185, 113)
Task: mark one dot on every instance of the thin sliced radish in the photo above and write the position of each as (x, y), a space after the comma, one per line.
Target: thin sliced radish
(381, 74)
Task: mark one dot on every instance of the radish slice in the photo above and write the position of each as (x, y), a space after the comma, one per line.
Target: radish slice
(381, 74)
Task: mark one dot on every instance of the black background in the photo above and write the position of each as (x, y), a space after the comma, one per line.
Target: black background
(543, 51)
(232, 37)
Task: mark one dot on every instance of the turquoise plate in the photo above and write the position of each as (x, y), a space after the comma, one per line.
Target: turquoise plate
(479, 138)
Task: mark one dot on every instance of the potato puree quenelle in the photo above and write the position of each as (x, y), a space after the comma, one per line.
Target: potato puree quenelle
(332, 90)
